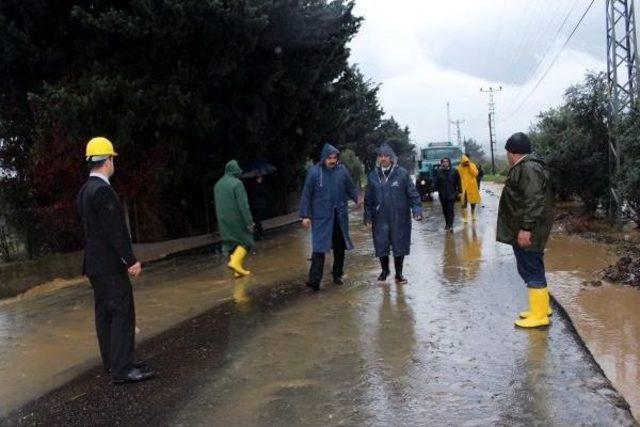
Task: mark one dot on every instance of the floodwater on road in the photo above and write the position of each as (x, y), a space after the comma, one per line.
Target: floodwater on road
(47, 337)
(606, 316)
(439, 350)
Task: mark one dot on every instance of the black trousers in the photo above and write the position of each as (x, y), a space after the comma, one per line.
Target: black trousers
(115, 321)
(317, 258)
(258, 216)
(448, 211)
(398, 263)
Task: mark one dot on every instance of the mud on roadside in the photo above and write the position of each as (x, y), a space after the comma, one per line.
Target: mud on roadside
(624, 243)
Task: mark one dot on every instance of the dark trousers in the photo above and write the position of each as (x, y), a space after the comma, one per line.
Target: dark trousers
(317, 258)
(398, 263)
(531, 267)
(258, 232)
(464, 204)
(448, 211)
(115, 321)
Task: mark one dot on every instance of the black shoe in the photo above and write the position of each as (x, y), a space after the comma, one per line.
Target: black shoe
(134, 375)
(137, 364)
(383, 276)
(401, 280)
(338, 280)
(314, 286)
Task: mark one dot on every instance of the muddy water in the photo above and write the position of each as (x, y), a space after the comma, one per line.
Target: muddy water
(47, 336)
(606, 317)
(440, 350)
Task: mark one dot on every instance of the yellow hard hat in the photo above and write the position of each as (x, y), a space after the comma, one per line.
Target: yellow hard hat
(99, 148)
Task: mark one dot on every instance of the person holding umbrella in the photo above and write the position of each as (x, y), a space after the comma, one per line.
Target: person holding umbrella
(259, 194)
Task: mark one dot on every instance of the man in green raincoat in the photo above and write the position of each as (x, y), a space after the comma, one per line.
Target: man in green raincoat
(234, 217)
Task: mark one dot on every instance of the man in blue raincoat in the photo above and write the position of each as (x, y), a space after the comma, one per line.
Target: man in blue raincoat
(390, 200)
(323, 207)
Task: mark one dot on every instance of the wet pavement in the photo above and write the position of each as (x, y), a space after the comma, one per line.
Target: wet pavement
(441, 350)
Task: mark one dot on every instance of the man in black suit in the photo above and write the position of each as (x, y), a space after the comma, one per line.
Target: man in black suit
(108, 257)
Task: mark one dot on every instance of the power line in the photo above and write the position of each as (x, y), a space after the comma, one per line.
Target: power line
(531, 70)
(552, 62)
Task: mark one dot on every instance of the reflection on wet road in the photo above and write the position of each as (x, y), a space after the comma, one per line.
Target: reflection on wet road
(441, 350)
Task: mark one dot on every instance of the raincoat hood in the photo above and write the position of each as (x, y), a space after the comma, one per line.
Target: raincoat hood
(464, 159)
(327, 150)
(386, 149)
(232, 168)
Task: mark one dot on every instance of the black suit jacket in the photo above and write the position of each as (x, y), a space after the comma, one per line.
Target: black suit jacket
(108, 248)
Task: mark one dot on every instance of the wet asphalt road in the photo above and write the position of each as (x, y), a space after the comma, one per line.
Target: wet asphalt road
(441, 350)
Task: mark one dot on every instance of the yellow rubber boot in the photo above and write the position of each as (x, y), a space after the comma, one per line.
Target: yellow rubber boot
(235, 261)
(525, 314)
(465, 217)
(539, 303)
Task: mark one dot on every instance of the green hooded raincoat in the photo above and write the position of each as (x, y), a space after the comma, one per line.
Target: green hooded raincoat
(232, 209)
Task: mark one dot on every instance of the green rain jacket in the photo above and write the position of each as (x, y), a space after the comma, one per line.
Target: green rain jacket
(232, 209)
(526, 203)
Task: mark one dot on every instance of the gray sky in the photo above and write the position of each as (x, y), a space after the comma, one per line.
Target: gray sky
(428, 52)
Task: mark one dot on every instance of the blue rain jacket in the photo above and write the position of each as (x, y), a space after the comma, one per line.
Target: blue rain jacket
(389, 203)
(326, 193)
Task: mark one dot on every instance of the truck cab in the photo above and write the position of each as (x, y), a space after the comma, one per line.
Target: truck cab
(429, 163)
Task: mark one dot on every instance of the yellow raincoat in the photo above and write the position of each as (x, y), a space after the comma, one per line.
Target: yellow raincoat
(468, 172)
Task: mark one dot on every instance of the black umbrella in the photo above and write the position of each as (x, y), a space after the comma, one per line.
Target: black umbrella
(259, 168)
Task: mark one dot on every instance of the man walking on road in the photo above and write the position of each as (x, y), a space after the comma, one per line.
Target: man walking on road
(468, 172)
(448, 186)
(390, 200)
(525, 217)
(323, 207)
(108, 257)
(234, 217)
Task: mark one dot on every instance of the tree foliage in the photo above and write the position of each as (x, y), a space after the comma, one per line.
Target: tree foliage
(573, 140)
(474, 150)
(181, 87)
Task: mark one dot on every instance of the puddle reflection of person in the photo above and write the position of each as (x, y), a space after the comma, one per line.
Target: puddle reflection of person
(240, 296)
(451, 265)
(471, 252)
(396, 335)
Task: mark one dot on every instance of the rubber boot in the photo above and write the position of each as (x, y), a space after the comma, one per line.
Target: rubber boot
(525, 314)
(235, 261)
(465, 215)
(384, 263)
(539, 303)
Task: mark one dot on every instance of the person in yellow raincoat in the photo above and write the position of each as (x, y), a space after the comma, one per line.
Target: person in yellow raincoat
(468, 172)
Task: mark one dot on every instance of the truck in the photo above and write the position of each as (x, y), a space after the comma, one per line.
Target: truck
(429, 163)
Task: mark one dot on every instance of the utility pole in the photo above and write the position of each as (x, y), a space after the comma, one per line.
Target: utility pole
(492, 123)
(457, 123)
(448, 123)
(623, 83)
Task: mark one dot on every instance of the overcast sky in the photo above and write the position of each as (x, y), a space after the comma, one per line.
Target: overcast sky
(428, 52)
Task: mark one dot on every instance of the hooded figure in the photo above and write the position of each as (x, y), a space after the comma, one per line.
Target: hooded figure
(234, 217)
(324, 199)
(391, 198)
(468, 172)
